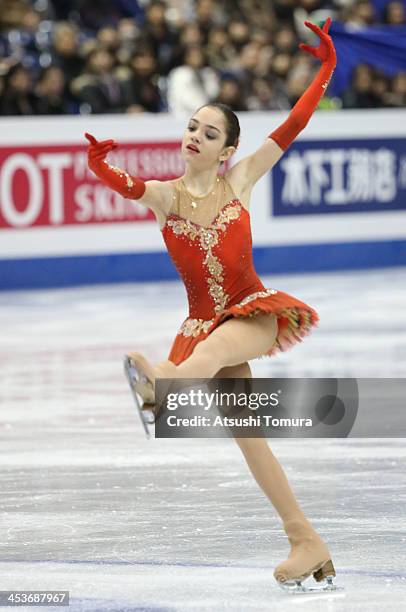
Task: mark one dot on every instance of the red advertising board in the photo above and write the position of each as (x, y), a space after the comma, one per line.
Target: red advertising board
(52, 185)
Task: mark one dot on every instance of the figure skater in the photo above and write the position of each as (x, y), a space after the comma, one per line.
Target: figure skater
(205, 222)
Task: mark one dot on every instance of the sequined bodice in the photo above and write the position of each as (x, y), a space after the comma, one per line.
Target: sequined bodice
(214, 262)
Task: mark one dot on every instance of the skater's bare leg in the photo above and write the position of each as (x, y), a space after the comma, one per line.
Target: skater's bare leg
(235, 341)
(163, 365)
(264, 466)
(307, 548)
(269, 475)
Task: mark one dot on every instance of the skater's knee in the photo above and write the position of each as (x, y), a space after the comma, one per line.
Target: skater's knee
(225, 349)
(217, 347)
(208, 356)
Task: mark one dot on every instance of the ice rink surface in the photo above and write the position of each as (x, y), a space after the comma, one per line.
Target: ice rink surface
(89, 505)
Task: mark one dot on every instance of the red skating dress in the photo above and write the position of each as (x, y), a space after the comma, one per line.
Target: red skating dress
(216, 265)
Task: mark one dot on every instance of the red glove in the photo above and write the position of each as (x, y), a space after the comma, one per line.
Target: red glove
(128, 186)
(300, 114)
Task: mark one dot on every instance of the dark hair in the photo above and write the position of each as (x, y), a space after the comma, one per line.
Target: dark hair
(232, 123)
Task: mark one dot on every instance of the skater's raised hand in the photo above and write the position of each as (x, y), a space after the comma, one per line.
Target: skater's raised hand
(97, 151)
(300, 114)
(325, 51)
(128, 186)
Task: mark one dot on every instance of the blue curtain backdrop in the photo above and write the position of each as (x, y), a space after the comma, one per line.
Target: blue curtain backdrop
(381, 46)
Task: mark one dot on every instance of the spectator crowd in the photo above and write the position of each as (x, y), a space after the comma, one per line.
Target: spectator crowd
(135, 56)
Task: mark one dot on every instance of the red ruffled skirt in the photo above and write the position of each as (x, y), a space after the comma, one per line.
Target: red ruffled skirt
(295, 321)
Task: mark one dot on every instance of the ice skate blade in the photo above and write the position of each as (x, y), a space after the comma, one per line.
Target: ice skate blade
(144, 383)
(144, 390)
(146, 415)
(297, 587)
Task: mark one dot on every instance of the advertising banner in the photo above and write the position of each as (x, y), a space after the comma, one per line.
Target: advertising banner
(52, 185)
(341, 176)
(335, 199)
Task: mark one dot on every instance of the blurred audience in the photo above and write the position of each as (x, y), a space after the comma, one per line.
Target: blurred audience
(231, 94)
(136, 56)
(99, 88)
(50, 91)
(140, 84)
(65, 50)
(192, 84)
(18, 96)
(361, 94)
(395, 13)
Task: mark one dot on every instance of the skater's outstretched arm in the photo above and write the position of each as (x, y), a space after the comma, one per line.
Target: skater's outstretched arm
(256, 165)
(149, 193)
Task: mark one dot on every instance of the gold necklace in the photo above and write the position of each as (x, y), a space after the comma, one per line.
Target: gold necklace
(193, 199)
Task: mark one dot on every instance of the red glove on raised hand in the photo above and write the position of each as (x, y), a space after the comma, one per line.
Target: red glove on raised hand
(128, 186)
(300, 114)
(325, 51)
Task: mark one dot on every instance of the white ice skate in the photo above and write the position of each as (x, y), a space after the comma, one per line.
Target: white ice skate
(137, 381)
(324, 581)
(309, 555)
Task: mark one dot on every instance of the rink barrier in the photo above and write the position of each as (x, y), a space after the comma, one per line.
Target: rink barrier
(35, 273)
(336, 200)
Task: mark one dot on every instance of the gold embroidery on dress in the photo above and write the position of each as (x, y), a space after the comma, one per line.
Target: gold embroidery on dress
(213, 264)
(254, 296)
(209, 238)
(182, 226)
(226, 215)
(193, 327)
